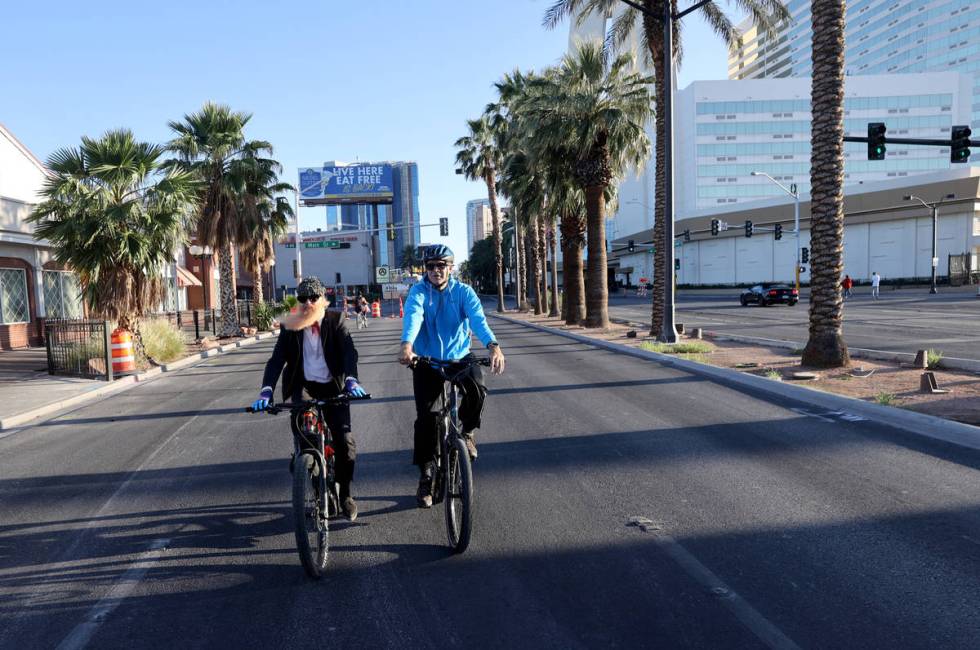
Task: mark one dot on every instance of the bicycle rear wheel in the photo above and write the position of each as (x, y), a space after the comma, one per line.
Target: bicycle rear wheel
(310, 522)
(459, 496)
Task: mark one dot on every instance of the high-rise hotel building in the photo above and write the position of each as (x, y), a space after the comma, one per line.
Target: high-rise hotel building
(882, 37)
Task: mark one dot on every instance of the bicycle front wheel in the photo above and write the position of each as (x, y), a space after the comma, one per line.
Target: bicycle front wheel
(310, 521)
(459, 496)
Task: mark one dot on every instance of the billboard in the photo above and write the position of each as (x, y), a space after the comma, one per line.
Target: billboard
(354, 183)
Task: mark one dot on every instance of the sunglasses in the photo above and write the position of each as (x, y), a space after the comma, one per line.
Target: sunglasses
(303, 299)
(433, 266)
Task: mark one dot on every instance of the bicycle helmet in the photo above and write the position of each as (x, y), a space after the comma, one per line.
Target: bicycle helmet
(438, 252)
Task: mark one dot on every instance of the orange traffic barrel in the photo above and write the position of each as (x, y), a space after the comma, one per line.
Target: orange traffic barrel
(401, 308)
(376, 309)
(123, 359)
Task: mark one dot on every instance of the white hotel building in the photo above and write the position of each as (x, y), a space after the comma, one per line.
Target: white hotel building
(725, 130)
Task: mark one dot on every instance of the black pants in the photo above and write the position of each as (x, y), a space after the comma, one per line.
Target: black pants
(338, 421)
(427, 384)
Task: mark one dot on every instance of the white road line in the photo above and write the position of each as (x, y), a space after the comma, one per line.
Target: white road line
(80, 636)
(759, 625)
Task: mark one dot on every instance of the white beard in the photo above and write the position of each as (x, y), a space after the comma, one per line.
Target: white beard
(304, 315)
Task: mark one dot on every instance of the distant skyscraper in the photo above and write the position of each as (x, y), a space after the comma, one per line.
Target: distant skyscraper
(478, 226)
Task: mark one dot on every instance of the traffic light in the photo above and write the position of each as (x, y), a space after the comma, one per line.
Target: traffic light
(687, 235)
(443, 227)
(630, 245)
(714, 226)
(391, 232)
(748, 228)
(677, 264)
(876, 140)
(959, 151)
(778, 233)
(804, 255)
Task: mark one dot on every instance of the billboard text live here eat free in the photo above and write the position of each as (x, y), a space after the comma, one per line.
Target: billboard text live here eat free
(348, 183)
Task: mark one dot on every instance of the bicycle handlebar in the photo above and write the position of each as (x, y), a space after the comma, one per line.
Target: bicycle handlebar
(275, 409)
(438, 364)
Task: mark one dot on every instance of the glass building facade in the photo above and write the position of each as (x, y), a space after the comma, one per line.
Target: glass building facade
(882, 37)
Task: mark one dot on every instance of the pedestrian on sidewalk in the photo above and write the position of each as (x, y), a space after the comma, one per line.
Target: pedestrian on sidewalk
(875, 284)
(361, 308)
(847, 283)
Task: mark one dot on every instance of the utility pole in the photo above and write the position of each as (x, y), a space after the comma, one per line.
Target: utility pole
(934, 207)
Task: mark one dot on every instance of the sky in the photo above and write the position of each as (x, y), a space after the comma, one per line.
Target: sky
(324, 80)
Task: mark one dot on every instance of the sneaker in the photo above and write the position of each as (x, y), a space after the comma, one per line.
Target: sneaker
(424, 494)
(470, 441)
(349, 506)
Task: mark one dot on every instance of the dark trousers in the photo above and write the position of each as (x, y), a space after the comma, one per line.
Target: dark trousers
(338, 421)
(427, 385)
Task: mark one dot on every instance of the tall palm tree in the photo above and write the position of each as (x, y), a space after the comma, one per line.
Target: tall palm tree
(115, 216)
(257, 252)
(597, 113)
(826, 347)
(766, 14)
(478, 157)
(521, 181)
(211, 143)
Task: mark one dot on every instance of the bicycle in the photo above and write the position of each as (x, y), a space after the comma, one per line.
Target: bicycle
(452, 480)
(315, 490)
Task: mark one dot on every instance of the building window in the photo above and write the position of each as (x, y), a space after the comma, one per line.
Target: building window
(13, 297)
(62, 295)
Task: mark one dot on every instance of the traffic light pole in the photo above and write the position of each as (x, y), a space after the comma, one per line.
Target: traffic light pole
(923, 141)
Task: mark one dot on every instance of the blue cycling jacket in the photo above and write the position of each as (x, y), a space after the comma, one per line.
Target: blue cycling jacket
(437, 323)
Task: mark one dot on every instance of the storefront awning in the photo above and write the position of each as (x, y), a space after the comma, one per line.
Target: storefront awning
(187, 279)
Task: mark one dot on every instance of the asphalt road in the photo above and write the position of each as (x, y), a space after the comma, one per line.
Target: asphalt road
(901, 321)
(161, 519)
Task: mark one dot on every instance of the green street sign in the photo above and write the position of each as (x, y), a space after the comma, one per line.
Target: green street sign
(321, 244)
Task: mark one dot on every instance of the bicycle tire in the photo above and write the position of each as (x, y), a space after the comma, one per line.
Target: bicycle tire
(459, 496)
(312, 538)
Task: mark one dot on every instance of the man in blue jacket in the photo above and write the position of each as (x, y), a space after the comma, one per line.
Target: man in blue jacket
(439, 312)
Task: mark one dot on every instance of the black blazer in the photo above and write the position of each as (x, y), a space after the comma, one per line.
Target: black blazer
(287, 357)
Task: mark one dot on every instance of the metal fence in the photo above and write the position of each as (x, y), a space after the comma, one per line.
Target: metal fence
(207, 322)
(78, 348)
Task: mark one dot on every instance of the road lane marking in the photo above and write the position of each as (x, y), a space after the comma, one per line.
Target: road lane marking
(748, 616)
(80, 636)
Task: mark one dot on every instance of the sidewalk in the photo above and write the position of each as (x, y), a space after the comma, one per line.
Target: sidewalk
(28, 392)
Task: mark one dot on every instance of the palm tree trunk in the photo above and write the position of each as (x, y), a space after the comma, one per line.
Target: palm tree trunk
(826, 347)
(572, 243)
(543, 261)
(596, 290)
(525, 269)
(660, 252)
(555, 300)
(536, 263)
(518, 281)
(257, 298)
(491, 181)
(229, 312)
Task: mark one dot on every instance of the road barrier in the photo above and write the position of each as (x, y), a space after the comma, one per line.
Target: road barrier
(123, 355)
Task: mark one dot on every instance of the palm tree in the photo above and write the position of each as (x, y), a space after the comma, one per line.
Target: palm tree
(826, 347)
(597, 113)
(521, 182)
(478, 157)
(766, 14)
(410, 258)
(211, 143)
(116, 216)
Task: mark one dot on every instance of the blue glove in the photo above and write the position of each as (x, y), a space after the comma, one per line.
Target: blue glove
(263, 401)
(352, 388)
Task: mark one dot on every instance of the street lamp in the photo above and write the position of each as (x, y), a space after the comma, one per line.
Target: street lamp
(203, 253)
(795, 193)
(934, 206)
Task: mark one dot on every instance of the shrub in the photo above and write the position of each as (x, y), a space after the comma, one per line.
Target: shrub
(265, 314)
(885, 399)
(774, 374)
(692, 347)
(934, 358)
(162, 341)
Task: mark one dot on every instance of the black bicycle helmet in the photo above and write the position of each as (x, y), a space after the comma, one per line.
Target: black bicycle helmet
(438, 252)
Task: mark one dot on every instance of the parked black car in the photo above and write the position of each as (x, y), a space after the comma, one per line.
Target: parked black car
(768, 294)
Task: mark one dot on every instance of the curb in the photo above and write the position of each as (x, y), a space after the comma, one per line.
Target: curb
(919, 424)
(947, 363)
(125, 383)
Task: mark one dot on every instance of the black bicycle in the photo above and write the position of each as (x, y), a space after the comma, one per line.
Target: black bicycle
(315, 492)
(452, 481)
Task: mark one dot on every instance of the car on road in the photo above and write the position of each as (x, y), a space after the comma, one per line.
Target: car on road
(770, 294)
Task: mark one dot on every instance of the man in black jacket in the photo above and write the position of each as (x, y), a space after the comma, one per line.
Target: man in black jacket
(315, 352)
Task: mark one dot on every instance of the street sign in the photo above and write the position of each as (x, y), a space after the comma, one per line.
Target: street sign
(322, 244)
(381, 274)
